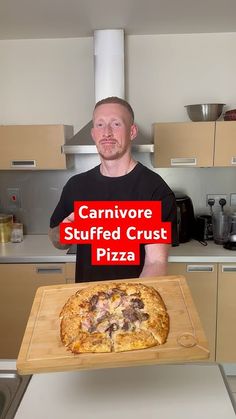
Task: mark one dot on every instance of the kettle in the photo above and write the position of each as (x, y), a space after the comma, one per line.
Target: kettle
(185, 217)
(231, 242)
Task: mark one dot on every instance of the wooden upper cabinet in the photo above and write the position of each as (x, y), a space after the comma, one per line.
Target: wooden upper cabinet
(184, 144)
(35, 147)
(225, 144)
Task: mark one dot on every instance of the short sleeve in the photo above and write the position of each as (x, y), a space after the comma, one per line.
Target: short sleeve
(169, 212)
(63, 208)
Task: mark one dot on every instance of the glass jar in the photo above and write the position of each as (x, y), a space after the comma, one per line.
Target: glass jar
(17, 233)
(6, 222)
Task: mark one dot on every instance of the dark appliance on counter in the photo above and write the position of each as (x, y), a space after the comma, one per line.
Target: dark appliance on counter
(203, 228)
(231, 242)
(185, 217)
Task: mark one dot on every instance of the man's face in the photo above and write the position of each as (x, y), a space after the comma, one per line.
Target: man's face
(112, 130)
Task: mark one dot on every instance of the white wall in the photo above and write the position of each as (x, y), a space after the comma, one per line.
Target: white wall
(46, 81)
(166, 72)
(51, 81)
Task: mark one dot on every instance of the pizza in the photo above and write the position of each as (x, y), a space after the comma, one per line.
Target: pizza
(114, 317)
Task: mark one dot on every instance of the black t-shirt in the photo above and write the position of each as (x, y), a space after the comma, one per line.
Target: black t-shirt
(141, 184)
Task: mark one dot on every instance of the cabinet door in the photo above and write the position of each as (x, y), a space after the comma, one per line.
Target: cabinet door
(226, 318)
(33, 146)
(202, 281)
(70, 273)
(225, 143)
(18, 284)
(184, 144)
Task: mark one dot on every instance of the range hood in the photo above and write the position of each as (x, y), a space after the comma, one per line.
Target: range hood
(109, 81)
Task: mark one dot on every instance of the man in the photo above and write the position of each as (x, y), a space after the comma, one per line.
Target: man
(119, 177)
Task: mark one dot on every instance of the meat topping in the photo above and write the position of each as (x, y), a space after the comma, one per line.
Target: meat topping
(103, 294)
(105, 316)
(126, 326)
(145, 316)
(118, 291)
(114, 310)
(112, 328)
(137, 303)
(130, 314)
(92, 329)
(93, 301)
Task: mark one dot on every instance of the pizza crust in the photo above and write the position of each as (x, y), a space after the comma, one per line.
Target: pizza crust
(130, 341)
(95, 342)
(114, 317)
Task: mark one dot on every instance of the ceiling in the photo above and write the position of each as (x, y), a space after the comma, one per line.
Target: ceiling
(32, 19)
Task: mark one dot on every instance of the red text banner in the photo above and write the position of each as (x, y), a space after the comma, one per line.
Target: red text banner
(115, 229)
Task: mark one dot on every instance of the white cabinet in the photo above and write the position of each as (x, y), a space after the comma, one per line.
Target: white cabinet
(34, 147)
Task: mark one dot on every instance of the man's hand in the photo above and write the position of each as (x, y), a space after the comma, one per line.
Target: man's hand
(70, 218)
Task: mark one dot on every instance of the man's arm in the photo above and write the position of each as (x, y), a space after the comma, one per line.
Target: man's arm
(156, 259)
(54, 236)
(54, 233)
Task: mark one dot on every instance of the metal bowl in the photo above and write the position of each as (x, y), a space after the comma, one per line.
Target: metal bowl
(205, 112)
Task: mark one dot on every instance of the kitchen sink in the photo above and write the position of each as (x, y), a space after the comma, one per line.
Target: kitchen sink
(12, 389)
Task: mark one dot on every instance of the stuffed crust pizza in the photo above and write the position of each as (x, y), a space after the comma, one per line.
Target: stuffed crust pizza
(114, 317)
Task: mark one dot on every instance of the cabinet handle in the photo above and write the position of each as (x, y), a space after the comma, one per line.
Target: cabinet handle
(233, 160)
(183, 161)
(48, 270)
(23, 163)
(228, 268)
(200, 268)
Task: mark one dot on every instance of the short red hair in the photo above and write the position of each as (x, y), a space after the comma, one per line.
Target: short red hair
(115, 99)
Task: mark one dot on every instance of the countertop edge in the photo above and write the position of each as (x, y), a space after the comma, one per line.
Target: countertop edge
(39, 249)
(72, 259)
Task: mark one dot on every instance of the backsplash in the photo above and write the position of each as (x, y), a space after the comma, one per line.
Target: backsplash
(41, 190)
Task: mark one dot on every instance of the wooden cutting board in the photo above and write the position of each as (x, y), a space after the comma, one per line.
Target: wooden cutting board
(42, 350)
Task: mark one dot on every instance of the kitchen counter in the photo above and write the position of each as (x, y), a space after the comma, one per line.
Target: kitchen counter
(33, 249)
(7, 364)
(167, 391)
(38, 249)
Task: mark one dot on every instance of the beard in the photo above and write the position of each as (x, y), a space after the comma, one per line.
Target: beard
(112, 151)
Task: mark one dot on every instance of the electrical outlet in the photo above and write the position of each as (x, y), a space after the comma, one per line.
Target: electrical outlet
(216, 197)
(14, 201)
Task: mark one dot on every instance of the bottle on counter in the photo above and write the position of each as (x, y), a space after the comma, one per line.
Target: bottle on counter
(6, 222)
(17, 233)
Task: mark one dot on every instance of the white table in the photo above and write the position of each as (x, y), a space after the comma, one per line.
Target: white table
(150, 392)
